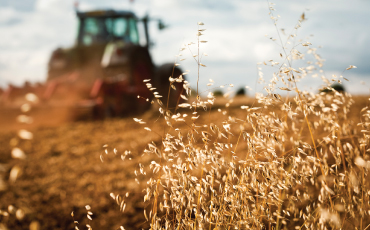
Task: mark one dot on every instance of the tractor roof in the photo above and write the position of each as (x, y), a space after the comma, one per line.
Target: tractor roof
(106, 13)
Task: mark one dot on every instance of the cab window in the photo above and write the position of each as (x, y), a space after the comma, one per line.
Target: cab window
(102, 30)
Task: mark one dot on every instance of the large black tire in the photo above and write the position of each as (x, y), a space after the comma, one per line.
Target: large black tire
(142, 68)
(162, 83)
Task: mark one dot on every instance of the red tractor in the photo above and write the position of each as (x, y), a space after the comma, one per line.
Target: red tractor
(103, 72)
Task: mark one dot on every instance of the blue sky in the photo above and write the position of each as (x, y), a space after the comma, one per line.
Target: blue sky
(236, 34)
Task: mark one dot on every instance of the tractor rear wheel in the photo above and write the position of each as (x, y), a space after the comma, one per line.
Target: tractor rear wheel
(169, 91)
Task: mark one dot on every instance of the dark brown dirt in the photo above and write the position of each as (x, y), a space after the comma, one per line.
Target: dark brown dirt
(63, 173)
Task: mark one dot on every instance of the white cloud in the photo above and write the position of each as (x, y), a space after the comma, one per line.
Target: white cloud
(263, 50)
(53, 5)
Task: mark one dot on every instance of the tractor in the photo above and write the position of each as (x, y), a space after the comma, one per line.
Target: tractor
(103, 72)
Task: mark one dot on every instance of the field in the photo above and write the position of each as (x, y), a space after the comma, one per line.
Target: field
(63, 171)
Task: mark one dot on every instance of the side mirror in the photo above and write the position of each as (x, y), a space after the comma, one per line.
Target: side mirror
(161, 25)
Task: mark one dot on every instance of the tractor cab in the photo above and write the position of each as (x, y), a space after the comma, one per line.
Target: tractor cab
(108, 44)
(101, 27)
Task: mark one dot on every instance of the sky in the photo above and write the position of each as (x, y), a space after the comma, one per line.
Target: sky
(237, 32)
